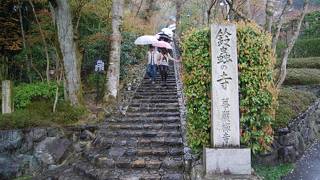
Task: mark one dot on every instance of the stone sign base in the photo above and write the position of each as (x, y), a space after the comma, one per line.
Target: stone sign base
(227, 161)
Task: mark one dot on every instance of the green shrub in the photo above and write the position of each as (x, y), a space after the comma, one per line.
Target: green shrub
(291, 103)
(130, 53)
(273, 172)
(302, 76)
(306, 48)
(25, 93)
(311, 62)
(39, 113)
(257, 100)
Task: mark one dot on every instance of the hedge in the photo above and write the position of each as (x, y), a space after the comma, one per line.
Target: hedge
(257, 92)
(302, 76)
(311, 62)
(291, 103)
(306, 48)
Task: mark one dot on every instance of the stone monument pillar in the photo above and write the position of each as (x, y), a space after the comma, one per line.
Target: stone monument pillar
(7, 106)
(225, 157)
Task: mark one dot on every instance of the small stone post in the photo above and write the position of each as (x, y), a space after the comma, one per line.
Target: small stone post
(7, 104)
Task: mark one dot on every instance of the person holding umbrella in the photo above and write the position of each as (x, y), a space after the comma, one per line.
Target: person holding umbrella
(152, 54)
(163, 62)
(152, 57)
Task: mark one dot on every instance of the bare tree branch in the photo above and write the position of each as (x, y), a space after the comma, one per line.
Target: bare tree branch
(279, 25)
(283, 68)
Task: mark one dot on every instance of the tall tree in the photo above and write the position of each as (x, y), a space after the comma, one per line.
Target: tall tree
(269, 15)
(279, 24)
(113, 74)
(69, 50)
(178, 15)
(149, 9)
(287, 50)
(43, 38)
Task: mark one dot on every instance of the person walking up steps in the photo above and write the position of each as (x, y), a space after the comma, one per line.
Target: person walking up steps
(163, 62)
(152, 57)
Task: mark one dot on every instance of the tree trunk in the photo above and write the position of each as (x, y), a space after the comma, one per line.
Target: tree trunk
(24, 41)
(279, 25)
(283, 68)
(247, 9)
(150, 9)
(71, 56)
(113, 74)
(178, 15)
(43, 41)
(139, 7)
(211, 5)
(269, 15)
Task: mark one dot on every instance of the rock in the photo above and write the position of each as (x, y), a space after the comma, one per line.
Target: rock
(86, 135)
(116, 152)
(172, 177)
(51, 150)
(172, 164)
(37, 134)
(10, 140)
(138, 163)
(29, 164)
(9, 168)
(287, 154)
(283, 131)
(105, 162)
(54, 132)
(270, 158)
(288, 139)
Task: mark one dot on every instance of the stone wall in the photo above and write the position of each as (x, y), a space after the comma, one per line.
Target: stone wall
(188, 157)
(292, 141)
(32, 151)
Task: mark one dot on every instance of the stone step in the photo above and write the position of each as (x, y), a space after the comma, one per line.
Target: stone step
(142, 133)
(140, 163)
(152, 114)
(148, 120)
(134, 101)
(160, 93)
(155, 105)
(86, 169)
(147, 109)
(158, 87)
(158, 90)
(150, 98)
(156, 96)
(144, 126)
(103, 141)
(169, 81)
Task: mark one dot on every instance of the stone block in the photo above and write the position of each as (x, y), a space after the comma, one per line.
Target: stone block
(227, 161)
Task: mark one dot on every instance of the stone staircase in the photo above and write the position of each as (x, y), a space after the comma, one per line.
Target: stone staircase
(145, 143)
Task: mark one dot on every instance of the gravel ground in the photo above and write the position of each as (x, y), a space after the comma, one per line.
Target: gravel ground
(308, 167)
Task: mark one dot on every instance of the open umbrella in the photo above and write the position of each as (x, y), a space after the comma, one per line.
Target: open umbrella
(172, 27)
(162, 44)
(161, 36)
(145, 40)
(167, 31)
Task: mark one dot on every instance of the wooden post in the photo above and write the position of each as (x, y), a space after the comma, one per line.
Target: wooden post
(7, 105)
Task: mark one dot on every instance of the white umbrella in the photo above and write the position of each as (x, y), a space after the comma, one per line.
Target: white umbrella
(172, 27)
(145, 40)
(168, 32)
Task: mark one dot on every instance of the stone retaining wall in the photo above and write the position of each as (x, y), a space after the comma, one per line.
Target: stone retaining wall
(31, 151)
(292, 141)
